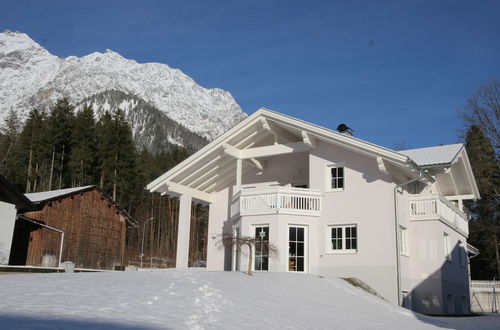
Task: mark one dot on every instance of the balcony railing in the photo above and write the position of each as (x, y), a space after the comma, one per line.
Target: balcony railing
(274, 200)
(428, 207)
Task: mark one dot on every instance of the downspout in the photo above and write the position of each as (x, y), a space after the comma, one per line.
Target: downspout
(396, 224)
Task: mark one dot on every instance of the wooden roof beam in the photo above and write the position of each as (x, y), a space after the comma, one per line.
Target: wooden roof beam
(183, 190)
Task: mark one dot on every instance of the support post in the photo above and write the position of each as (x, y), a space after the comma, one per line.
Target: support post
(183, 231)
(239, 169)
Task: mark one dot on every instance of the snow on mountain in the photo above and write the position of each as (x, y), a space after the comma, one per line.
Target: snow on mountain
(151, 128)
(32, 77)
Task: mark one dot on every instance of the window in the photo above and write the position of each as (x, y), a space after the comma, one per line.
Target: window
(447, 246)
(450, 304)
(336, 178)
(403, 241)
(262, 248)
(343, 238)
(465, 308)
(406, 295)
(297, 249)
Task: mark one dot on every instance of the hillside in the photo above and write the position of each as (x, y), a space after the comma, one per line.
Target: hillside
(197, 299)
(32, 77)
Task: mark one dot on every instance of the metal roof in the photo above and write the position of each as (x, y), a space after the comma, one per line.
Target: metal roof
(438, 155)
(45, 195)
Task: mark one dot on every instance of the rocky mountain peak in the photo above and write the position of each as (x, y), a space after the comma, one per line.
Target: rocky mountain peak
(32, 77)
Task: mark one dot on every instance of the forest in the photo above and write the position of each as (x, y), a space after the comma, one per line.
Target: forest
(62, 148)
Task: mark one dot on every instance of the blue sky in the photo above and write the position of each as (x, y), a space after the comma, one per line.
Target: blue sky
(394, 71)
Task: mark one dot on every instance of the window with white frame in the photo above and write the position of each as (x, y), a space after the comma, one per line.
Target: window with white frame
(336, 178)
(403, 241)
(447, 246)
(343, 239)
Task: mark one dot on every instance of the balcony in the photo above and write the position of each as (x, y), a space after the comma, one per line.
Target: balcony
(276, 200)
(430, 207)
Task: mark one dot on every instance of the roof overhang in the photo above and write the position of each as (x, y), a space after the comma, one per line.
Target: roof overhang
(262, 135)
(455, 179)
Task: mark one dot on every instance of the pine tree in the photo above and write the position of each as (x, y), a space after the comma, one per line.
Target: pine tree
(485, 225)
(82, 160)
(10, 132)
(117, 157)
(60, 128)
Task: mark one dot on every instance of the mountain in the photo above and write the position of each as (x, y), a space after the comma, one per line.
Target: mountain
(156, 96)
(152, 129)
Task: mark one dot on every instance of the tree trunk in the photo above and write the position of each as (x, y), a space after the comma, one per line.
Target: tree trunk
(497, 255)
(114, 180)
(61, 170)
(52, 168)
(250, 258)
(28, 180)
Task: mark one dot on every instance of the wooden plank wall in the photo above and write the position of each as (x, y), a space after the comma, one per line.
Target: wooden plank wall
(94, 232)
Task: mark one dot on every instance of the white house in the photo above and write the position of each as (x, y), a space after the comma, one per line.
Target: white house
(333, 205)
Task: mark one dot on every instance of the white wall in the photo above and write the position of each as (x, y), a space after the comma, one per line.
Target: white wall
(217, 224)
(7, 222)
(368, 202)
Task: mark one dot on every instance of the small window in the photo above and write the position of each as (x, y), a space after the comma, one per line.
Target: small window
(465, 306)
(406, 295)
(447, 246)
(335, 178)
(450, 303)
(403, 241)
(343, 239)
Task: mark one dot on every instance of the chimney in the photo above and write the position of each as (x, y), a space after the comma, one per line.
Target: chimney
(344, 129)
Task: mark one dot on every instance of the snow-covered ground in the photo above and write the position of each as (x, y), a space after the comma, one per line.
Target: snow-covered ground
(197, 299)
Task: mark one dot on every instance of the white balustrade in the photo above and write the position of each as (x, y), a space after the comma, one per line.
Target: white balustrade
(427, 207)
(276, 200)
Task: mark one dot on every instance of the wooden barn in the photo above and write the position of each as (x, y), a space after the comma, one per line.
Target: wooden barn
(83, 225)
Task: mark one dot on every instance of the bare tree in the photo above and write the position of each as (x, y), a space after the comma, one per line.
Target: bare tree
(11, 130)
(483, 110)
(229, 240)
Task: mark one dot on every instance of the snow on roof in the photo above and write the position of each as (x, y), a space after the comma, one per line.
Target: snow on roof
(444, 154)
(45, 195)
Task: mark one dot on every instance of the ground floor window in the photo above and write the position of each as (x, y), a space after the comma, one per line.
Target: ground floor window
(296, 249)
(343, 238)
(465, 308)
(450, 303)
(261, 248)
(403, 241)
(406, 295)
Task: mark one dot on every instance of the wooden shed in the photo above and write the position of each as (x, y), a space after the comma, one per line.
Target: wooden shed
(83, 225)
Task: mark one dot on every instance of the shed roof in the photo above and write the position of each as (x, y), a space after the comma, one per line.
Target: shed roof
(53, 194)
(47, 196)
(438, 155)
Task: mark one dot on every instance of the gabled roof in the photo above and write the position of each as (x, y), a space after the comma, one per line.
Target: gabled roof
(44, 197)
(450, 165)
(439, 155)
(263, 134)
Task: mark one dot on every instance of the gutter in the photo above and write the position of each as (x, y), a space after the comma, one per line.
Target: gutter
(396, 228)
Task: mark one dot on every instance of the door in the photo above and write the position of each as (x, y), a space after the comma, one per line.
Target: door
(261, 260)
(297, 249)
